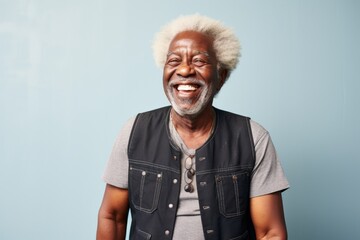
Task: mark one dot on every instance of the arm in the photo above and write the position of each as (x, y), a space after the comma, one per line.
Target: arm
(268, 217)
(112, 218)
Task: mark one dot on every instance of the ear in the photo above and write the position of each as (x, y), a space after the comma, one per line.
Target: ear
(223, 75)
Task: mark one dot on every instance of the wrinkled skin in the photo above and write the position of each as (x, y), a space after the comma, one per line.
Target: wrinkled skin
(191, 74)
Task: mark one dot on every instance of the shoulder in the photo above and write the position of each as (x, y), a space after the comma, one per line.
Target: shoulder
(155, 116)
(162, 110)
(124, 134)
(258, 131)
(259, 134)
(228, 114)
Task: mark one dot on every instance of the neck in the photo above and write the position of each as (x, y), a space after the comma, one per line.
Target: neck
(194, 131)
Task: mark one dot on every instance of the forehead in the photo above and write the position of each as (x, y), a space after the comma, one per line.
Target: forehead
(193, 41)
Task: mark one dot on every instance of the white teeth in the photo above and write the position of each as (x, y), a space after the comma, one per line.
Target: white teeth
(186, 88)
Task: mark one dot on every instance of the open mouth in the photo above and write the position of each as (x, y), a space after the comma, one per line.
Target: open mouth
(186, 87)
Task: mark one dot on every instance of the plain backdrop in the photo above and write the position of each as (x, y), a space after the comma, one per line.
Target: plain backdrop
(73, 71)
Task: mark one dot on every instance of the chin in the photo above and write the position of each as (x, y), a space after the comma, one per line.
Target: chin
(191, 108)
(192, 111)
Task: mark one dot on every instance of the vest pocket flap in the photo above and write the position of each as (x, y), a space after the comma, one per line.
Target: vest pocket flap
(144, 188)
(141, 235)
(233, 193)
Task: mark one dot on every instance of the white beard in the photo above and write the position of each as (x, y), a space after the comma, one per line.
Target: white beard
(197, 105)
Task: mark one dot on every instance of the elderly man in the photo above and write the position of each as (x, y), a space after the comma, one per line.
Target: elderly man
(192, 171)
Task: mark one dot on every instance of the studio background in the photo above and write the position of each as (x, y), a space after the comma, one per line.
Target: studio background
(72, 72)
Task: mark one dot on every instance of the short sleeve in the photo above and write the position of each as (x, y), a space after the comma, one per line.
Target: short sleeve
(116, 170)
(268, 175)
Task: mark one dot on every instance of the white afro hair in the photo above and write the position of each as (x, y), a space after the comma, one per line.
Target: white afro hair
(226, 44)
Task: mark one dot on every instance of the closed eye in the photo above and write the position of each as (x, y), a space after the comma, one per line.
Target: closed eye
(173, 61)
(199, 62)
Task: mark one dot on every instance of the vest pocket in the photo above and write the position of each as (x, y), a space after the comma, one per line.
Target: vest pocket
(233, 193)
(141, 235)
(244, 236)
(145, 189)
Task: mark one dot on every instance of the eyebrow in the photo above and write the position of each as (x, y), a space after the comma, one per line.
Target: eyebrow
(202, 52)
(196, 52)
(169, 53)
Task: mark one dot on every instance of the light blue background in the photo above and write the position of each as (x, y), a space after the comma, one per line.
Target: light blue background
(73, 71)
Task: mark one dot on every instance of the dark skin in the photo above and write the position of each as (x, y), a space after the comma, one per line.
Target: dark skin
(112, 217)
(191, 55)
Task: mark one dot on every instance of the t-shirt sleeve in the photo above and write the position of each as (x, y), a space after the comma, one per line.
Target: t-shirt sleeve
(268, 175)
(116, 170)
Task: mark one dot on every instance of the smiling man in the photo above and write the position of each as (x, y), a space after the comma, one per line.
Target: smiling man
(190, 170)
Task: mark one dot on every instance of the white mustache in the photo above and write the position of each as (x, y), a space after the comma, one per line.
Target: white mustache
(193, 81)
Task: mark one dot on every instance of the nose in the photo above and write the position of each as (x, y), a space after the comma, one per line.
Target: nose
(185, 70)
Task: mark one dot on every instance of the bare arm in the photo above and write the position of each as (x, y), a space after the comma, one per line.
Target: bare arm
(112, 218)
(268, 217)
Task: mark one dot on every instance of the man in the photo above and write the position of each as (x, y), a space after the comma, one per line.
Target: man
(191, 171)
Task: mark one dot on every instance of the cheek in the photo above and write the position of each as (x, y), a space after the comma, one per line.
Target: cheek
(167, 73)
(165, 84)
(166, 78)
(210, 75)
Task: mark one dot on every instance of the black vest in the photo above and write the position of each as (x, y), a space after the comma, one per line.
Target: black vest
(223, 173)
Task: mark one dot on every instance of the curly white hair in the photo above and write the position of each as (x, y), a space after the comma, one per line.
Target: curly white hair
(226, 44)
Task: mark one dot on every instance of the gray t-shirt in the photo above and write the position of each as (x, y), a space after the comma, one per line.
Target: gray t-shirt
(267, 176)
